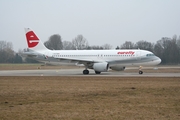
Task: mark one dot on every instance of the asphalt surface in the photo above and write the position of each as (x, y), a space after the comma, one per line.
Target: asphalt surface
(78, 72)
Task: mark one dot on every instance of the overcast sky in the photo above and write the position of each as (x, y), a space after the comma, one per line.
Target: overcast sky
(99, 21)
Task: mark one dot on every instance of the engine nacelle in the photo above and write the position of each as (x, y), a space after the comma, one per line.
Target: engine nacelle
(118, 68)
(101, 67)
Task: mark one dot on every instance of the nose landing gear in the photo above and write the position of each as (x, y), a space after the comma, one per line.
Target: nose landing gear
(140, 70)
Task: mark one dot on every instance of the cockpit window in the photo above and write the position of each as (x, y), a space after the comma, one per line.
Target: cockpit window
(150, 55)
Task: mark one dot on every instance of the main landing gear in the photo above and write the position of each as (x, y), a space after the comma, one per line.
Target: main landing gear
(97, 72)
(140, 70)
(85, 72)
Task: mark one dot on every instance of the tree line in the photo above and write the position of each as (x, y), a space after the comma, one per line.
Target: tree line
(7, 54)
(78, 43)
(168, 49)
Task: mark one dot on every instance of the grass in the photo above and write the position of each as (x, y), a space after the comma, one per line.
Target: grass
(77, 98)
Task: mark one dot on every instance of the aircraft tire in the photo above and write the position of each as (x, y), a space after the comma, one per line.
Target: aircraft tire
(85, 72)
(140, 72)
(97, 72)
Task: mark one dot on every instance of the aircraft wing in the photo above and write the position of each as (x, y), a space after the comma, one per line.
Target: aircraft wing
(80, 61)
(29, 54)
(84, 61)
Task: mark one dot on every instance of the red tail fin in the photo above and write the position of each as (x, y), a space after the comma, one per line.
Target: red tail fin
(32, 39)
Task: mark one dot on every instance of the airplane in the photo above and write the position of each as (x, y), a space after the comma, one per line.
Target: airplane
(98, 60)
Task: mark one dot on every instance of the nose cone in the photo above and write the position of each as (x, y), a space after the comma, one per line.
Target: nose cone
(158, 61)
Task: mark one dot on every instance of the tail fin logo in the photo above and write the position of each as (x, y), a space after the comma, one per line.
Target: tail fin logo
(32, 39)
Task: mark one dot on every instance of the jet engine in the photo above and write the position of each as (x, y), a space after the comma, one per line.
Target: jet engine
(118, 68)
(101, 67)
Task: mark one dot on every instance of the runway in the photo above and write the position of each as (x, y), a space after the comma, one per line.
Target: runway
(78, 72)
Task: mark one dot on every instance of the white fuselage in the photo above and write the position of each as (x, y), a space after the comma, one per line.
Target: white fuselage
(113, 57)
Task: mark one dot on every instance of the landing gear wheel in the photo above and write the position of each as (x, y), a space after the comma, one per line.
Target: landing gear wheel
(97, 72)
(140, 72)
(85, 72)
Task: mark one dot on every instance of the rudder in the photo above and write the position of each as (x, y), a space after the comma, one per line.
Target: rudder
(33, 41)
